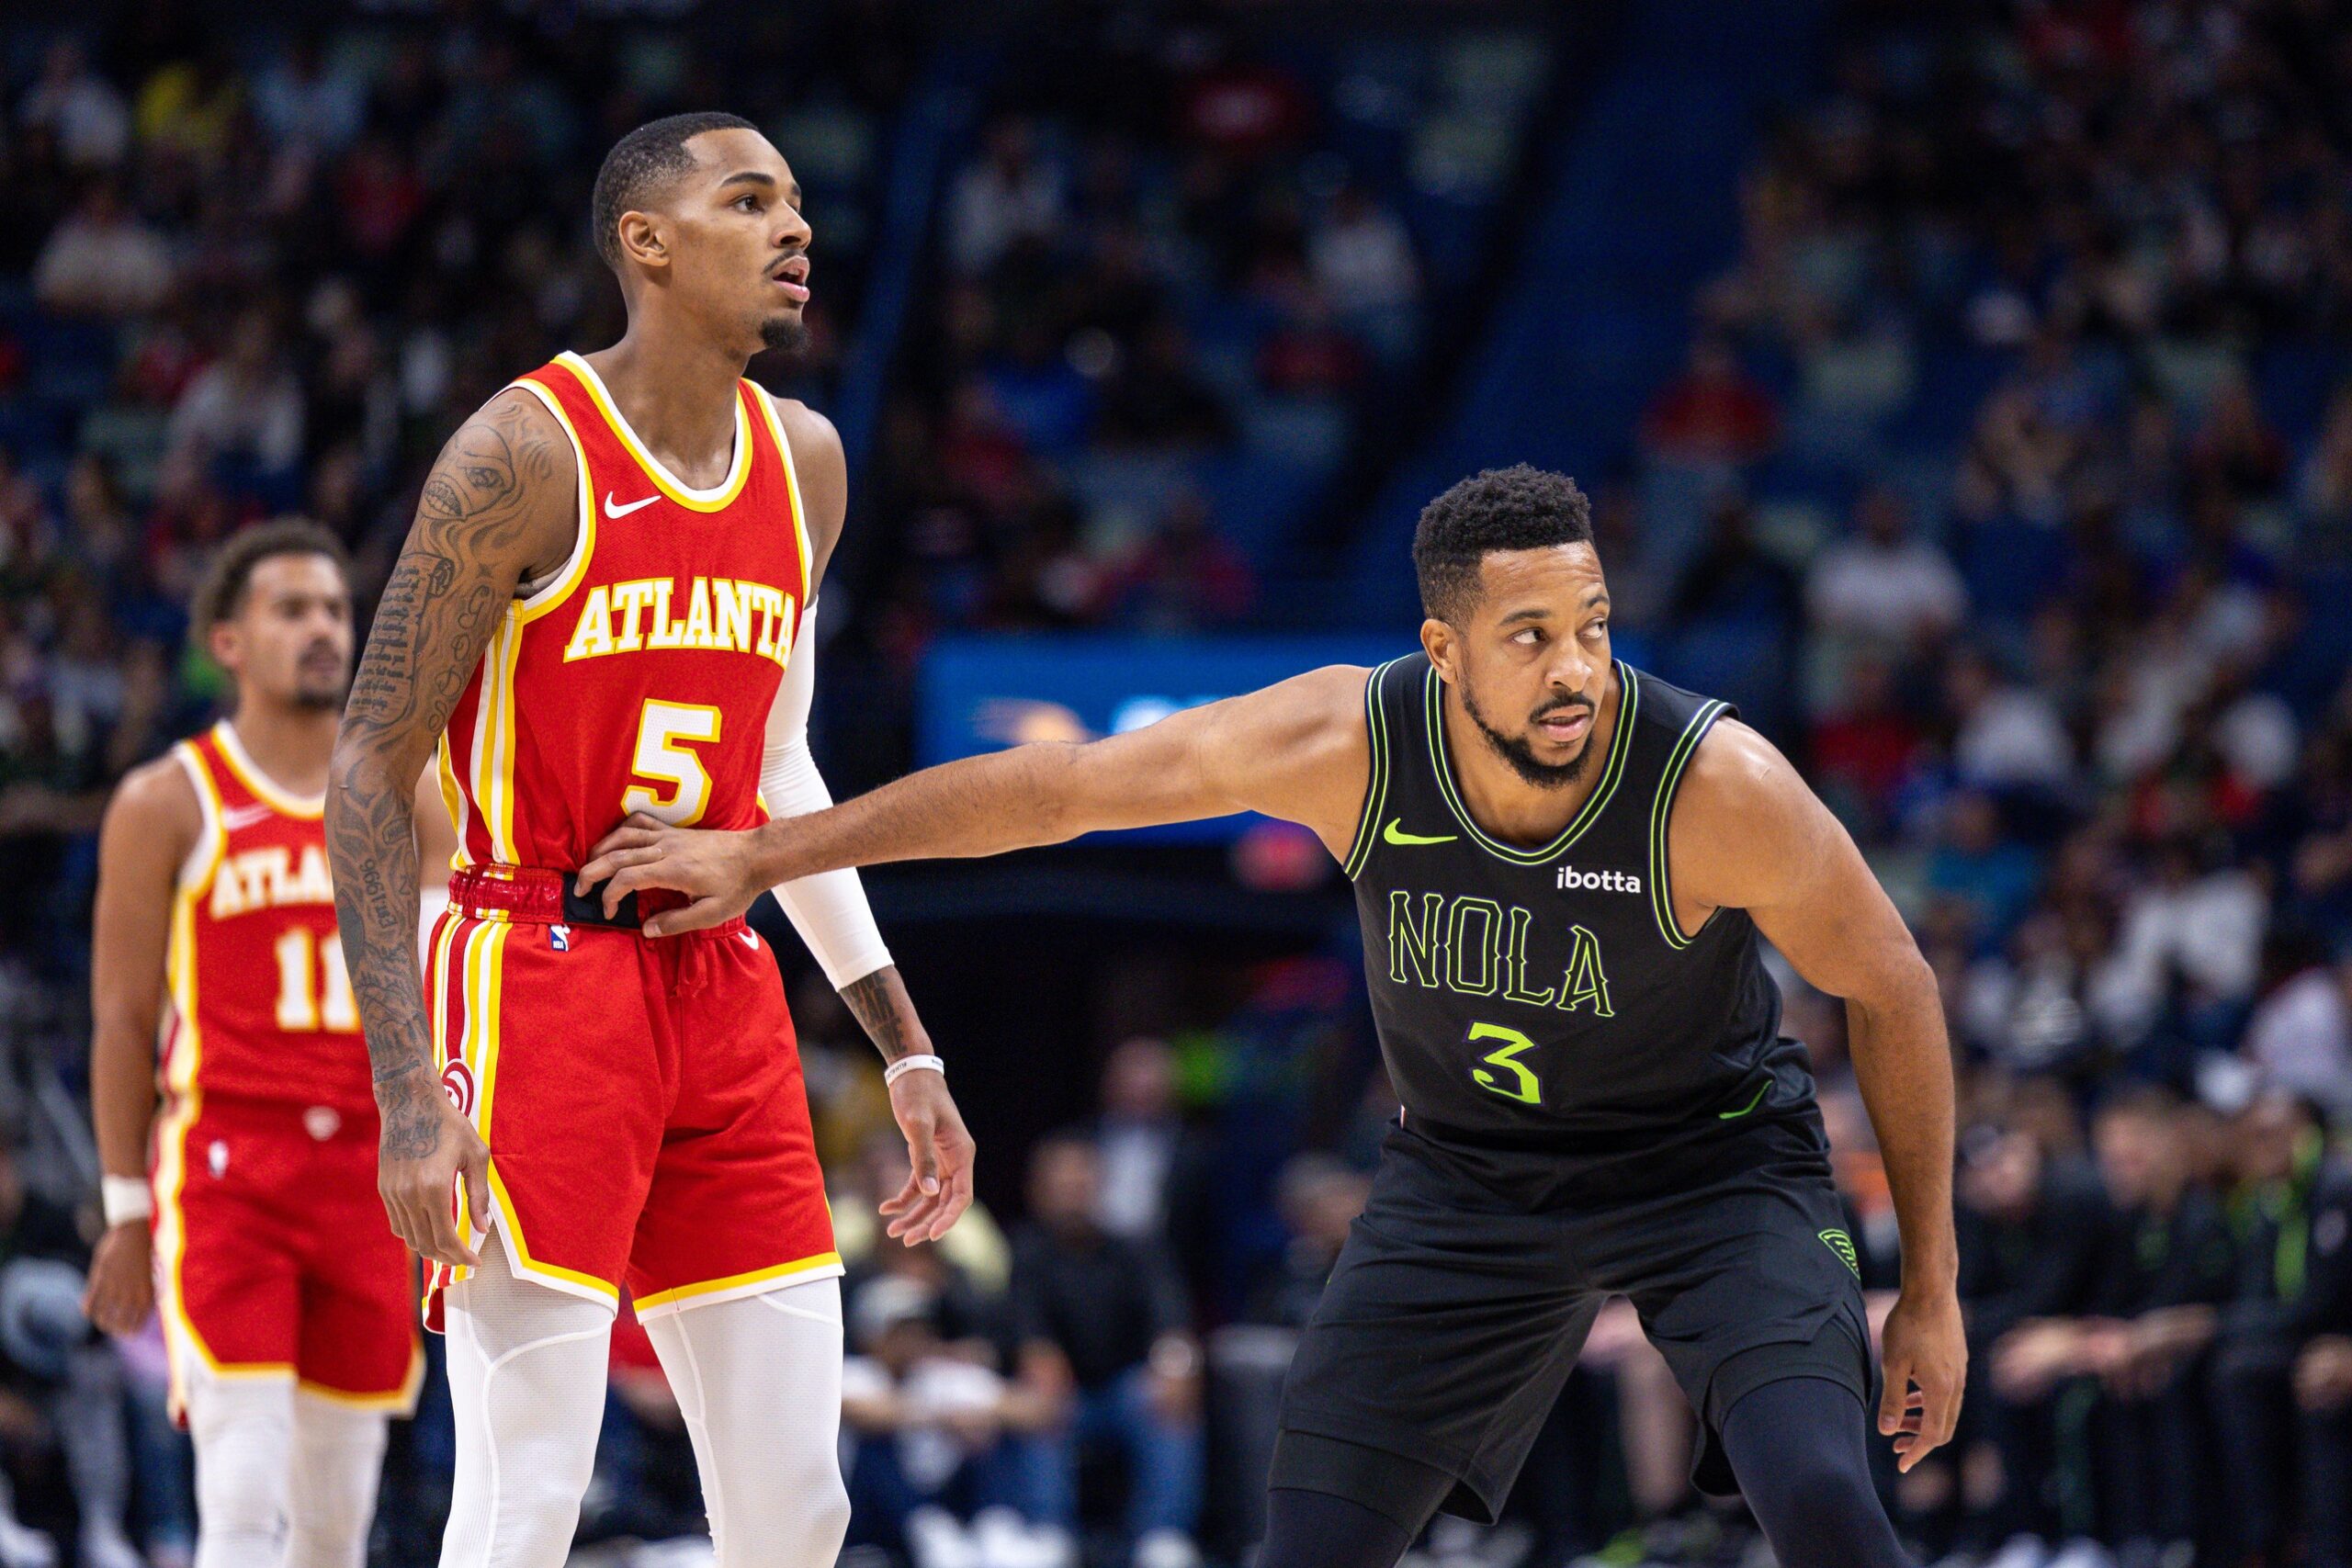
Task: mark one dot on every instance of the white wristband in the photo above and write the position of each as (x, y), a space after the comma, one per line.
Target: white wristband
(124, 1199)
(906, 1064)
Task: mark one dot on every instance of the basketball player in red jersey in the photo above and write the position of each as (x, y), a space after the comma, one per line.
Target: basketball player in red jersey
(287, 1307)
(603, 607)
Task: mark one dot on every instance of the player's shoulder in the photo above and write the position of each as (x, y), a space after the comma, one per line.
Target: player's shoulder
(157, 797)
(815, 439)
(1738, 794)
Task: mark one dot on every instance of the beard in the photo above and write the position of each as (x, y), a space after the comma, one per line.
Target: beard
(1517, 751)
(787, 334)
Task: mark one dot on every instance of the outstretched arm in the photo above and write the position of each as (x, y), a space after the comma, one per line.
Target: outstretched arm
(1747, 834)
(1297, 749)
(501, 502)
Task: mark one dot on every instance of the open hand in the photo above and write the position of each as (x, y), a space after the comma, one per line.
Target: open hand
(711, 867)
(939, 1157)
(1927, 1369)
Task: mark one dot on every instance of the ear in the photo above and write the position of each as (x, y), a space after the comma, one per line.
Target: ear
(642, 240)
(225, 646)
(1438, 642)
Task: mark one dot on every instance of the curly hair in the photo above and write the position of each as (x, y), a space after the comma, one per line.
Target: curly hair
(1518, 508)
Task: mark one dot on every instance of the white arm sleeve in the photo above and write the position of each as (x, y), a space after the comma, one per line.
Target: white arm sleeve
(828, 909)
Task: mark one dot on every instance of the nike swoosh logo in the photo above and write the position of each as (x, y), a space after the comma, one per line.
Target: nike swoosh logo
(1728, 1115)
(612, 511)
(1396, 834)
(245, 817)
(750, 940)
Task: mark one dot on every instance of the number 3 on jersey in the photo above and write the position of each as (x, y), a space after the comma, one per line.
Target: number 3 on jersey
(664, 733)
(1522, 1085)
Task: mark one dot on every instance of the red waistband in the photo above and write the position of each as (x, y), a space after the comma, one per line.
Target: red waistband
(539, 896)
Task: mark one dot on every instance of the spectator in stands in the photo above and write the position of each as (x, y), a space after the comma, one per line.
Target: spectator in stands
(932, 1425)
(1184, 576)
(102, 261)
(1155, 1167)
(1361, 261)
(1734, 577)
(1104, 1337)
(1866, 748)
(245, 407)
(2031, 1226)
(79, 108)
(1988, 874)
(2168, 1265)
(2005, 735)
(1319, 1198)
(1881, 585)
(2299, 1037)
(1010, 195)
(2295, 1208)
(1715, 413)
(49, 1353)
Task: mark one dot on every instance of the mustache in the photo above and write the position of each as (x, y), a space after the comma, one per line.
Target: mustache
(1564, 705)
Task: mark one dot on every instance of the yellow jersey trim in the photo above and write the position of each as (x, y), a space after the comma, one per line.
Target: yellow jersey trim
(714, 498)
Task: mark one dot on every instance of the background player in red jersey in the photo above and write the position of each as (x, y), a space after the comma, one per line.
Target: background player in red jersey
(603, 607)
(286, 1308)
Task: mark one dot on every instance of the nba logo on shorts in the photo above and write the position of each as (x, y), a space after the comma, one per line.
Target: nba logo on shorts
(458, 1083)
(559, 938)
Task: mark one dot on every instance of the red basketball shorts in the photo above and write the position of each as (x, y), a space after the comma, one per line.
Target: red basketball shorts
(641, 1098)
(274, 1258)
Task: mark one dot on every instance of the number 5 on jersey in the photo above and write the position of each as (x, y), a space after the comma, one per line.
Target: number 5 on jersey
(664, 733)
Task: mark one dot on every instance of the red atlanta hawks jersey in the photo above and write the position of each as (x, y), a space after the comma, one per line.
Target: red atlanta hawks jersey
(640, 677)
(261, 1004)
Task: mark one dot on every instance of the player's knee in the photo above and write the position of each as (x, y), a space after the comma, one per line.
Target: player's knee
(810, 1509)
(1820, 1511)
(241, 1488)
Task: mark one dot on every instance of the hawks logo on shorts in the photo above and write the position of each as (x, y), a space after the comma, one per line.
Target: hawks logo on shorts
(641, 1099)
(272, 1249)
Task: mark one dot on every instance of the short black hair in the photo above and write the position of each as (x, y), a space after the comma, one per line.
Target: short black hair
(639, 162)
(1518, 508)
(221, 594)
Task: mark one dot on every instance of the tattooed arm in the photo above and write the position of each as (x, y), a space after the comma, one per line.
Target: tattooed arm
(501, 506)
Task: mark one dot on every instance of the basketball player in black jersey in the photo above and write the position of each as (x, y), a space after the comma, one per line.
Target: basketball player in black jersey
(1564, 869)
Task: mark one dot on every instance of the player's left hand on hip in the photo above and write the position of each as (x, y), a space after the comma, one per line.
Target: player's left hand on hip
(1926, 1371)
(710, 867)
(939, 1154)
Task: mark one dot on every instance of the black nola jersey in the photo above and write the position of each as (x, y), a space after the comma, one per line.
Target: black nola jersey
(1521, 992)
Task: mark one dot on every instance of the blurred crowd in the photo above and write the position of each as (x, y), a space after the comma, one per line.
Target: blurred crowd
(2007, 483)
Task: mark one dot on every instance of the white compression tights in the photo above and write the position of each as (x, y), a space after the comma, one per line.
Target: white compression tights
(757, 1381)
(281, 1475)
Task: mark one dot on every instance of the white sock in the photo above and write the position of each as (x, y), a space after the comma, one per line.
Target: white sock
(759, 1382)
(526, 1381)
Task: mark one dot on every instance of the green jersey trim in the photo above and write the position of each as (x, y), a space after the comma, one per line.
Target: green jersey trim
(1621, 743)
(1375, 789)
(1661, 894)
